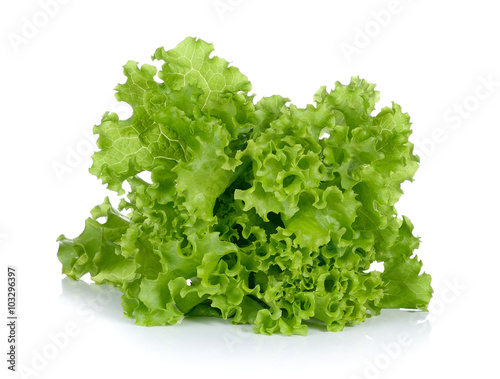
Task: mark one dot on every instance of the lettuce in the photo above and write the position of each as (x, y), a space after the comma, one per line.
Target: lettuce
(259, 212)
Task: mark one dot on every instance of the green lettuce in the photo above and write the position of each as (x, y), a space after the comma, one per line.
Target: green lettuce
(257, 211)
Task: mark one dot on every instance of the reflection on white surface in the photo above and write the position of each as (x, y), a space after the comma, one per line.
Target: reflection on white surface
(361, 350)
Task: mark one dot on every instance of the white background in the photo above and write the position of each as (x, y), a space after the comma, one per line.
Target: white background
(432, 58)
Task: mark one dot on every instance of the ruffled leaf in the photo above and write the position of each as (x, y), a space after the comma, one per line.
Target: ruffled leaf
(258, 212)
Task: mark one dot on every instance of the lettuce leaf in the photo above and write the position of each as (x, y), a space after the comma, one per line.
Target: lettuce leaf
(258, 212)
